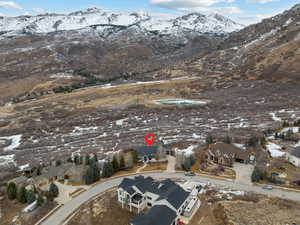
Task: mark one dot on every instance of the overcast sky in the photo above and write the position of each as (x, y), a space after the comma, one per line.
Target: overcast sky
(242, 11)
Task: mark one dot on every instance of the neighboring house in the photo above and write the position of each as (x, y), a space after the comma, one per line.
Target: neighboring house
(146, 153)
(166, 200)
(76, 173)
(227, 154)
(67, 171)
(294, 157)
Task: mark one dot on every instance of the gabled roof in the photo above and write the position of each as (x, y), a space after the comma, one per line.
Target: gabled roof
(167, 189)
(296, 152)
(175, 195)
(146, 150)
(229, 150)
(157, 215)
(126, 182)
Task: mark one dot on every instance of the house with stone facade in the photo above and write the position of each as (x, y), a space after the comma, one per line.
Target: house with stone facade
(226, 154)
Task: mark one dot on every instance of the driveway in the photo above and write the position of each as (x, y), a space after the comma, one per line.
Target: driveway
(64, 192)
(243, 173)
(171, 164)
(59, 216)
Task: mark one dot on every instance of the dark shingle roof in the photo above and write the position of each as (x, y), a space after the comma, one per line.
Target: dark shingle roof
(296, 152)
(175, 195)
(146, 150)
(167, 189)
(157, 215)
(126, 182)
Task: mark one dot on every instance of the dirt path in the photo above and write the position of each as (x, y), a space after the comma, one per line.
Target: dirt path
(141, 168)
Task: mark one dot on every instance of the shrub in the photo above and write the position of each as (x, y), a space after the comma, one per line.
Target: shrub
(53, 189)
(21, 196)
(30, 197)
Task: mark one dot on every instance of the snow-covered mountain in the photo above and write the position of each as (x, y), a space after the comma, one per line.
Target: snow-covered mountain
(193, 23)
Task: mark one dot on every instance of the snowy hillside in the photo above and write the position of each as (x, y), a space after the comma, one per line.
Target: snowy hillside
(195, 22)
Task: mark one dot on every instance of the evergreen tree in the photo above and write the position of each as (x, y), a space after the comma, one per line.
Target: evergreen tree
(49, 196)
(258, 175)
(122, 163)
(81, 160)
(70, 160)
(30, 197)
(187, 165)
(115, 164)
(108, 170)
(227, 140)
(209, 140)
(11, 191)
(87, 159)
(92, 174)
(40, 200)
(89, 176)
(53, 189)
(77, 159)
(21, 196)
(135, 157)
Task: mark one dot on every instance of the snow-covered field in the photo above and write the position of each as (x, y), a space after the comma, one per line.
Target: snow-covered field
(275, 150)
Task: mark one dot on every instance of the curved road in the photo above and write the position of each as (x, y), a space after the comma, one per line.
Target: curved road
(59, 216)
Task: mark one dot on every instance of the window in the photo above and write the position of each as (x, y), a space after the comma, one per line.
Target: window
(149, 204)
(149, 198)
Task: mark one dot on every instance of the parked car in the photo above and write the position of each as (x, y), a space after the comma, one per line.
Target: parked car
(190, 174)
(267, 187)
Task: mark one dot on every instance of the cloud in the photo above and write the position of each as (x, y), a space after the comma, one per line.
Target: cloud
(11, 5)
(262, 1)
(220, 10)
(176, 4)
(38, 10)
(203, 6)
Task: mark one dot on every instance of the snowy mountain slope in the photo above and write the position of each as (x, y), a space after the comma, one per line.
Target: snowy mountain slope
(46, 23)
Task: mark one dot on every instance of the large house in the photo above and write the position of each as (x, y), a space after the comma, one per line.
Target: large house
(166, 200)
(294, 156)
(227, 154)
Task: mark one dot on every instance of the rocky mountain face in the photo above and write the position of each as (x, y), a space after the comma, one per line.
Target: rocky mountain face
(268, 50)
(105, 45)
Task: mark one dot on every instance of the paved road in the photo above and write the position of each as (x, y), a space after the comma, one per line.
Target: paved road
(62, 213)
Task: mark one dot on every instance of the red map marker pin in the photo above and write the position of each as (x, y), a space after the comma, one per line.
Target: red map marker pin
(150, 139)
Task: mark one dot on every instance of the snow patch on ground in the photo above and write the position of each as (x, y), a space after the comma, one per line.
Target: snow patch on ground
(241, 146)
(7, 159)
(274, 117)
(275, 150)
(120, 122)
(15, 142)
(82, 130)
(297, 145)
(188, 151)
(294, 129)
(22, 167)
